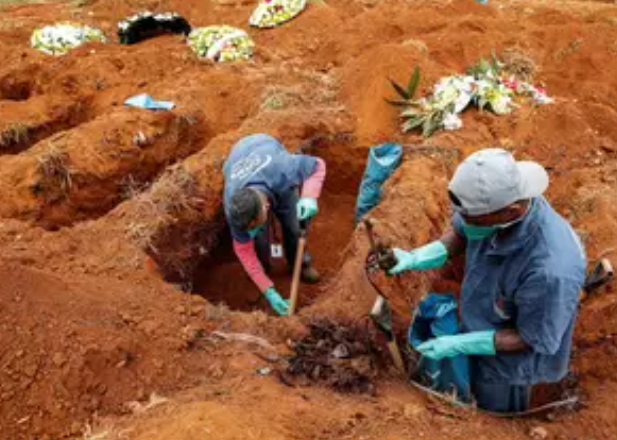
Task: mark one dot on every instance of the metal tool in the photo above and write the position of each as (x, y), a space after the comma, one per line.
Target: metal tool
(601, 274)
(295, 281)
(381, 257)
(382, 319)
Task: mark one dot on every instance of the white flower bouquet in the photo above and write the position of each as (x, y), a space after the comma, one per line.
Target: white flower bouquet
(61, 38)
(221, 43)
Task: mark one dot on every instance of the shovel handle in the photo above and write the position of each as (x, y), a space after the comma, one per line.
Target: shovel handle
(397, 359)
(295, 281)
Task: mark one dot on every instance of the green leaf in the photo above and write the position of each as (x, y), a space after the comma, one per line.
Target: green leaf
(495, 64)
(432, 124)
(412, 85)
(412, 123)
(397, 103)
(426, 127)
(411, 112)
(400, 90)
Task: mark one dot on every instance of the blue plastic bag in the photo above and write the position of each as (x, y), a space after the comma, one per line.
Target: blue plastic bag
(382, 161)
(146, 101)
(436, 316)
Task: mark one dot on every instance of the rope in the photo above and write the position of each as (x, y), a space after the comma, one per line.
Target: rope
(569, 402)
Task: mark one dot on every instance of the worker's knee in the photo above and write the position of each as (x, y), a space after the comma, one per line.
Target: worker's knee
(502, 398)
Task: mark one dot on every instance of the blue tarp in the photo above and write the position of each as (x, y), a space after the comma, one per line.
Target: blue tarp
(437, 316)
(382, 161)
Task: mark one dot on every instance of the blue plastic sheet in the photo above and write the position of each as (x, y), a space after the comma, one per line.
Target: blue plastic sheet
(382, 161)
(437, 316)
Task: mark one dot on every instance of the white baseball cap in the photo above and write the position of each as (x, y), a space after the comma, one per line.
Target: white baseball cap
(491, 179)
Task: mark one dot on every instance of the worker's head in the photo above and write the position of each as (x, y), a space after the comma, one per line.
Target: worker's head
(492, 191)
(248, 209)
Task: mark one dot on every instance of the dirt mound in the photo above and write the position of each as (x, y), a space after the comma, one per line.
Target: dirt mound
(340, 357)
(97, 358)
(421, 218)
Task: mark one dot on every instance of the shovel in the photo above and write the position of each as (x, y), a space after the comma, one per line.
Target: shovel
(601, 274)
(295, 281)
(382, 318)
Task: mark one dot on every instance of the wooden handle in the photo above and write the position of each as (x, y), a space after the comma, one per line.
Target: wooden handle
(396, 356)
(295, 281)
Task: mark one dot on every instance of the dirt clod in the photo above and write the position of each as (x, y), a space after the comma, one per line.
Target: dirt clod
(338, 356)
(538, 433)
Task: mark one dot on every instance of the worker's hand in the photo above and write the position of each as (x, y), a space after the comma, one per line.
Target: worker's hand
(474, 343)
(278, 304)
(430, 256)
(306, 208)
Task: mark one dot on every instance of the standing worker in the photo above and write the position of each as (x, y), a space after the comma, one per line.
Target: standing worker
(261, 179)
(524, 270)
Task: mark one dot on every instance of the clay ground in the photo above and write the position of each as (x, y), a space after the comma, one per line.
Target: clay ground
(115, 265)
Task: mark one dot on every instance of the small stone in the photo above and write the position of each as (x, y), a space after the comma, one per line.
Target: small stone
(58, 359)
(198, 310)
(412, 411)
(31, 370)
(538, 433)
(149, 327)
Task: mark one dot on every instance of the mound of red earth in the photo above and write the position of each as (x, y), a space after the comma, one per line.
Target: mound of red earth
(116, 265)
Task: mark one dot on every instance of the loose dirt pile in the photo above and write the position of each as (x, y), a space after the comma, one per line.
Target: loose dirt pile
(112, 235)
(337, 356)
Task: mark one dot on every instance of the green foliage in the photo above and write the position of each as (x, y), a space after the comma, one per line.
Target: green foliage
(406, 93)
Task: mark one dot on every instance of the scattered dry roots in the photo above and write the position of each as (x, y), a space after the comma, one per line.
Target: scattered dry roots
(340, 357)
(519, 63)
(171, 198)
(13, 135)
(55, 176)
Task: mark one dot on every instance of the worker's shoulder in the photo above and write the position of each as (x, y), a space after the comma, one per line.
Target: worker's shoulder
(258, 141)
(556, 245)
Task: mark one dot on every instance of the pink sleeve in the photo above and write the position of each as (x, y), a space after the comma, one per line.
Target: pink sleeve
(312, 186)
(247, 256)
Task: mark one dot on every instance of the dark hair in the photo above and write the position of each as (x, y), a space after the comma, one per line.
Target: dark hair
(244, 207)
(455, 200)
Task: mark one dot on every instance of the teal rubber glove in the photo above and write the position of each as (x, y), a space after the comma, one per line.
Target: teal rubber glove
(431, 256)
(278, 304)
(306, 208)
(474, 343)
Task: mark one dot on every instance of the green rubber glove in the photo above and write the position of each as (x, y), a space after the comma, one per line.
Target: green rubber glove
(278, 304)
(431, 256)
(306, 208)
(474, 343)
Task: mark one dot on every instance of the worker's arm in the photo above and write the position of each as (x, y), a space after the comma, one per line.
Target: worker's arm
(313, 185)
(509, 340)
(454, 243)
(248, 257)
(430, 256)
(311, 189)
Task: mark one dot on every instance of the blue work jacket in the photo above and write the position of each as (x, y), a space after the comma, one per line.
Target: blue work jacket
(260, 161)
(527, 277)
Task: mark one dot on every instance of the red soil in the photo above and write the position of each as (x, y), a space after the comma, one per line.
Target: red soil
(88, 326)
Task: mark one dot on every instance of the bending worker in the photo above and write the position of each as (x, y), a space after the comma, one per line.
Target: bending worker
(261, 179)
(524, 271)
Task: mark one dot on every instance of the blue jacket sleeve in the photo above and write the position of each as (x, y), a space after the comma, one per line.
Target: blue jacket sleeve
(547, 305)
